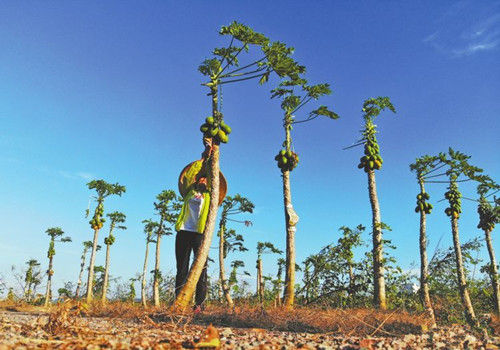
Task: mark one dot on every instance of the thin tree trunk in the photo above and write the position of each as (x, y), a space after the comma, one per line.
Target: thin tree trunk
(462, 283)
(186, 293)
(144, 271)
(80, 275)
(222, 273)
(378, 266)
(260, 284)
(106, 272)
(156, 280)
(291, 220)
(493, 271)
(424, 271)
(49, 282)
(90, 279)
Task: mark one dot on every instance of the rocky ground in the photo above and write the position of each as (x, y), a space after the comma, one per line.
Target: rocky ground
(64, 329)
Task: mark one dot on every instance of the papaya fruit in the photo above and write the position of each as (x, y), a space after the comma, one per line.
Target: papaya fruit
(210, 120)
(225, 127)
(213, 132)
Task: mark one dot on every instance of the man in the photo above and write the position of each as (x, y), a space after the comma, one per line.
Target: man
(190, 226)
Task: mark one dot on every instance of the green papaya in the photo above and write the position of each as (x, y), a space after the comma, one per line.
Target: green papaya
(282, 152)
(204, 128)
(210, 120)
(214, 131)
(223, 137)
(225, 127)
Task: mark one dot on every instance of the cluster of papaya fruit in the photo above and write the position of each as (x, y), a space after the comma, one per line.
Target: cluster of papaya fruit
(422, 205)
(487, 217)
(372, 159)
(287, 160)
(97, 221)
(453, 197)
(219, 131)
(52, 251)
(109, 240)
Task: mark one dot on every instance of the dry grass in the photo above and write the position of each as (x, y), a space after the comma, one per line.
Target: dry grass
(358, 322)
(349, 322)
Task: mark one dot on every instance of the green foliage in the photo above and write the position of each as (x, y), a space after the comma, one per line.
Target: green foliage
(150, 227)
(232, 206)
(167, 206)
(55, 234)
(266, 247)
(103, 190)
(372, 107)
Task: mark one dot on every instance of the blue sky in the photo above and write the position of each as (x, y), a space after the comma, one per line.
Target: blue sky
(111, 90)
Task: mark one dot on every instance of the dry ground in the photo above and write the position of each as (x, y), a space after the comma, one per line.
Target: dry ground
(122, 326)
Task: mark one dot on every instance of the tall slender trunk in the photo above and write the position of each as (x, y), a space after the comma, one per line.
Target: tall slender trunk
(144, 272)
(187, 291)
(222, 273)
(424, 271)
(106, 275)
(90, 279)
(260, 284)
(156, 279)
(48, 292)
(462, 283)
(493, 271)
(291, 220)
(80, 275)
(378, 265)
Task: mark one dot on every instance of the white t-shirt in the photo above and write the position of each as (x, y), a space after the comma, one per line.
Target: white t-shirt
(194, 207)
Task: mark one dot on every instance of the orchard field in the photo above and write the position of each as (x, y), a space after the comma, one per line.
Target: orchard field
(356, 212)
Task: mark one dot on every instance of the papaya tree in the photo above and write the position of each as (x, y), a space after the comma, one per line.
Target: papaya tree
(86, 246)
(489, 216)
(459, 170)
(224, 68)
(424, 168)
(229, 240)
(32, 279)
(370, 162)
(167, 207)
(116, 218)
(149, 228)
(233, 276)
(263, 248)
(103, 190)
(56, 235)
(279, 280)
(294, 93)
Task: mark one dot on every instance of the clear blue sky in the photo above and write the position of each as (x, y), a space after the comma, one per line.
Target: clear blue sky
(111, 90)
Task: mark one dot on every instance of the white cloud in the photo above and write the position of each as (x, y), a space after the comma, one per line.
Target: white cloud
(467, 28)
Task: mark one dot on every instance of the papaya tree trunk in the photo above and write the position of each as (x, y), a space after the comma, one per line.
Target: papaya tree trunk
(291, 220)
(48, 292)
(156, 279)
(90, 279)
(260, 285)
(378, 266)
(106, 275)
(493, 271)
(462, 283)
(80, 275)
(186, 293)
(144, 274)
(222, 273)
(424, 271)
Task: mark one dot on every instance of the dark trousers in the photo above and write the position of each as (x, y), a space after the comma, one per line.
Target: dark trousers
(185, 242)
